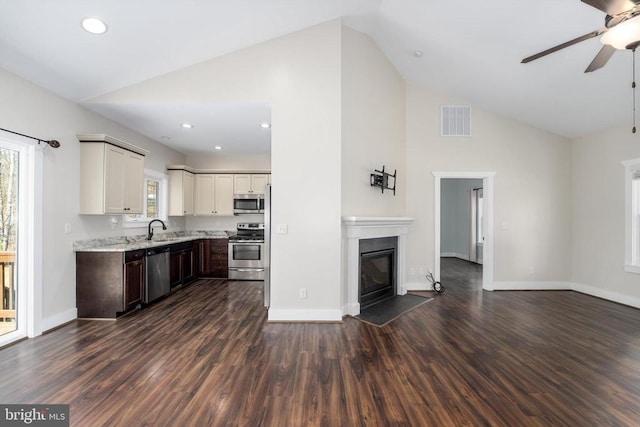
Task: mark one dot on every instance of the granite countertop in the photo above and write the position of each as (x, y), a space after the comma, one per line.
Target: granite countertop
(132, 243)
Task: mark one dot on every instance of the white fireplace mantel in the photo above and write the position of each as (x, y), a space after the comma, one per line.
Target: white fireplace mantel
(361, 227)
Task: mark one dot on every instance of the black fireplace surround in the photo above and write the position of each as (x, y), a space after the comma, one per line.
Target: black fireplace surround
(378, 265)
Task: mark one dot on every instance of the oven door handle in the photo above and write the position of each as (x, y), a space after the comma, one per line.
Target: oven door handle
(245, 270)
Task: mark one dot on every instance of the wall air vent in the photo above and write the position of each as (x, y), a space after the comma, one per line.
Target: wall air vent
(455, 120)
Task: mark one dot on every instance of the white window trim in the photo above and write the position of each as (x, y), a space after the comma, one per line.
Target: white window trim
(162, 206)
(630, 166)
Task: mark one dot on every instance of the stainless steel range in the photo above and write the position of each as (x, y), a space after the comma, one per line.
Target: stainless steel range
(246, 252)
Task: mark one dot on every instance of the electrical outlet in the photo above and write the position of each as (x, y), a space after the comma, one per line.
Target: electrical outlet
(282, 229)
(412, 271)
(421, 270)
(67, 228)
(303, 293)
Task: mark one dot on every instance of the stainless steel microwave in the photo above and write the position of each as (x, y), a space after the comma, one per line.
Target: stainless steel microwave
(248, 204)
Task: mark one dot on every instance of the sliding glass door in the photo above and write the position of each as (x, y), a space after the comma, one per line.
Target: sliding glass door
(9, 200)
(19, 163)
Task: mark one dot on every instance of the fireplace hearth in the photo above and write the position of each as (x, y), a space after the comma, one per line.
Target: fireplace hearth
(378, 265)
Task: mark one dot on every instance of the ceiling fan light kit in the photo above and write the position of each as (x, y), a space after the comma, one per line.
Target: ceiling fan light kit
(621, 31)
(625, 35)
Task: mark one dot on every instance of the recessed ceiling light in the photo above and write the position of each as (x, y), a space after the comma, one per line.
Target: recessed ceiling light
(217, 147)
(265, 125)
(187, 125)
(418, 53)
(166, 138)
(94, 26)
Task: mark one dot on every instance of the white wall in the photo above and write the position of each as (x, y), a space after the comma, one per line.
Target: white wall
(373, 131)
(532, 216)
(299, 75)
(258, 162)
(598, 215)
(32, 110)
(455, 217)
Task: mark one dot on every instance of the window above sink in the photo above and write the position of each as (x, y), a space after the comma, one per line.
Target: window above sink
(154, 201)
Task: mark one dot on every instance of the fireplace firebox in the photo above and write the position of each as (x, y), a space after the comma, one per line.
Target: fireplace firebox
(378, 265)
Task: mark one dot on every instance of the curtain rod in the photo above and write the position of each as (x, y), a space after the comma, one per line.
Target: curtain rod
(52, 143)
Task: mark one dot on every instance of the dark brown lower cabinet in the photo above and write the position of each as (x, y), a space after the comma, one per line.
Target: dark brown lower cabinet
(133, 278)
(182, 264)
(108, 283)
(220, 258)
(204, 252)
(213, 258)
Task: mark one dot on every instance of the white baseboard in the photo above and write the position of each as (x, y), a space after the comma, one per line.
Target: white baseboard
(562, 286)
(532, 286)
(59, 319)
(418, 286)
(351, 309)
(278, 315)
(608, 295)
(454, 255)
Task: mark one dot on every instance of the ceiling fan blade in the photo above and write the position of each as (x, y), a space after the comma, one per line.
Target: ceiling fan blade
(611, 7)
(563, 45)
(601, 58)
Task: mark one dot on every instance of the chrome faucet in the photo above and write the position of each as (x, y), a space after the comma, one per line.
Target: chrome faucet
(150, 233)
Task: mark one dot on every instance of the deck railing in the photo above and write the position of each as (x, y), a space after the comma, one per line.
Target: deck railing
(7, 282)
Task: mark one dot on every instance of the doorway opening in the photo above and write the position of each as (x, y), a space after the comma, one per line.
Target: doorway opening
(464, 224)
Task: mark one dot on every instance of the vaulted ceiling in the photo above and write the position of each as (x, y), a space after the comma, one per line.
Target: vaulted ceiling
(471, 51)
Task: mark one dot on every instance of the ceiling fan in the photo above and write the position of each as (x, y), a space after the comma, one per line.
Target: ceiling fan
(621, 31)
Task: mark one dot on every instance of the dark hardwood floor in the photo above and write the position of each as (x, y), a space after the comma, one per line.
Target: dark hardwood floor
(205, 356)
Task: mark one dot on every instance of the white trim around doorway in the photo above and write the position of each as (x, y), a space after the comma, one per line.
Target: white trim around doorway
(487, 185)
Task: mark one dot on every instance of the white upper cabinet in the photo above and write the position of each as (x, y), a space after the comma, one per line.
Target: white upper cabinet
(133, 186)
(224, 195)
(250, 183)
(180, 193)
(111, 176)
(213, 194)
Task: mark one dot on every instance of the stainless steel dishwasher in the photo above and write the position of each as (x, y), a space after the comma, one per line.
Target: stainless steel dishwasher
(156, 274)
